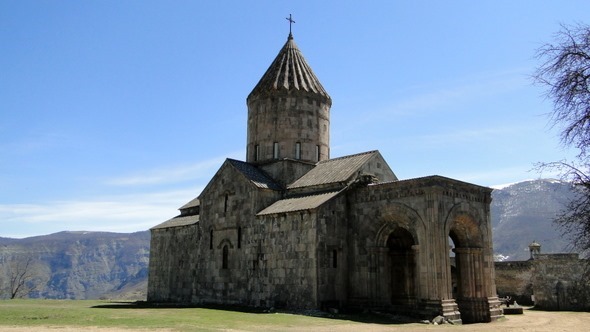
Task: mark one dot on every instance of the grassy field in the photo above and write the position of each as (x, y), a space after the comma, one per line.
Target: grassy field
(103, 316)
(116, 316)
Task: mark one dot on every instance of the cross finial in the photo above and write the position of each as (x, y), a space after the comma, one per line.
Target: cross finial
(291, 21)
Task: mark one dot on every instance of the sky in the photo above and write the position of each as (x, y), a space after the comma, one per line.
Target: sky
(113, 114)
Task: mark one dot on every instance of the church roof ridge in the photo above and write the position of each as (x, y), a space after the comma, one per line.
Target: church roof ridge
(337, 170)
(439, 178)
(192, 203)
(302, 203)
(178, 221)
(348, 156)
(289, 71)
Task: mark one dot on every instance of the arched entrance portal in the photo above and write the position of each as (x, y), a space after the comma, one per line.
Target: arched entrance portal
(403, 267)
(470, 289)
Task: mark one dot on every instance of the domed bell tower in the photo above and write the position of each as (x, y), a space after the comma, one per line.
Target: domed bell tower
(288, 112)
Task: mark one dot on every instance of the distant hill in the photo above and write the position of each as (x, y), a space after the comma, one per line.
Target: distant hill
(92, 265)
(80, 265)
(524, 212)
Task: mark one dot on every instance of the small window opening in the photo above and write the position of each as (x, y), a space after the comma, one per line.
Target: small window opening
(275, 150)
(317, 152)
(211, 239)
(256, 152)
(226, 199)
(297, 150)
(335, 258)
(224, 263)
(239, 237)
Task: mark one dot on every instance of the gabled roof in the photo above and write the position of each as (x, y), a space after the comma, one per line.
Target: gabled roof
(178, 221)
(255, 175)
(298, 204)
(289, 71)
(337, 170)
(449, 183)
(194, 202)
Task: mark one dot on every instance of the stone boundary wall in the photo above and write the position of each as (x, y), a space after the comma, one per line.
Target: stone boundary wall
(514, 279)
(549, 282)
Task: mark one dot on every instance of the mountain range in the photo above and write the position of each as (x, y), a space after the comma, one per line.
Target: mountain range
(93, 265)
(524, 212)
(78, 265)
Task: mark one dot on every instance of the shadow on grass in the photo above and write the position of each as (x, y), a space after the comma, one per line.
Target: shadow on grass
(370, 317)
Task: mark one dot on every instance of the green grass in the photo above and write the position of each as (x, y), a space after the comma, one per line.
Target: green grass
(70, 313)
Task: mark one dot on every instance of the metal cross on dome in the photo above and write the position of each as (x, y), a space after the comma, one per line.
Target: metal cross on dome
(291, 21)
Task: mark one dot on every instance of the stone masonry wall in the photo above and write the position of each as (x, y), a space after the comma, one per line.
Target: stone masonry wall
(556, 280)
(332, 254)
(514, 279)
(228, 207)
(283, 255)
(553, 280)
(287, 171)
(270, 260)
(172, 264)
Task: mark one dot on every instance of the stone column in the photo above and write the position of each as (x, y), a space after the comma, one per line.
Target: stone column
(417, 273)
(471, 297)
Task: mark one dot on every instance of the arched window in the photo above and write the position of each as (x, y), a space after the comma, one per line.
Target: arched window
(298, 150)
(275, 150)
(239, 237)
(211, 239)
(335, 258)
(226, 199)
(224, 263)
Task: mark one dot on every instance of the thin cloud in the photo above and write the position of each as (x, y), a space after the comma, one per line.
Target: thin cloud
(174, 174)
(496, 176)
(466, 135)
(122, 213)
(457, 92)
(128, 212)
(35, 142)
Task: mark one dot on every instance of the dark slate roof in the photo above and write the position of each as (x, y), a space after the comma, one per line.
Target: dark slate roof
(297, 204)
(178, 221)
(333, 170)
(194, 202)
(255, 175)
(289, 71)
(437, 179)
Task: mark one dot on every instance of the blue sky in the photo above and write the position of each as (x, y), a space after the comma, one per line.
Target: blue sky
(115, 113)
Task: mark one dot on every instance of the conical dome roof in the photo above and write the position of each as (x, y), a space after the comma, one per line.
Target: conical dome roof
(289, 71)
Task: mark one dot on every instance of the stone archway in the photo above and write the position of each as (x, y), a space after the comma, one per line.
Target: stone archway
(470, 291)
(402, 257)
(394, 261)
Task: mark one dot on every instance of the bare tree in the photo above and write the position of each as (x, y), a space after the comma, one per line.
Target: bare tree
(20, 278)
(565, 72)
(574, 219)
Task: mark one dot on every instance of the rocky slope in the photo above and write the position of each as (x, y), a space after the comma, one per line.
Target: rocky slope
(77, 265)
(524, 212)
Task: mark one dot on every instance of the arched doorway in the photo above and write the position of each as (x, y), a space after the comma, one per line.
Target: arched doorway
(469, 291)
(403, 266)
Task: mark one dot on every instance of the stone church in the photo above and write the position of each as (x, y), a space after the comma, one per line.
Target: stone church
(292, 228)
